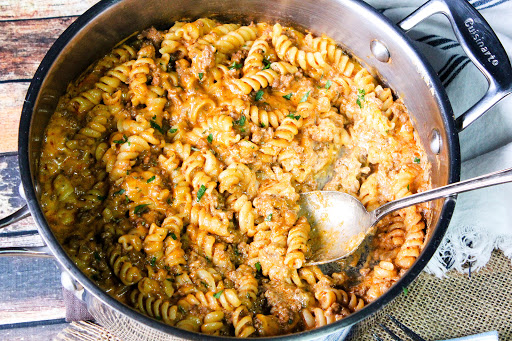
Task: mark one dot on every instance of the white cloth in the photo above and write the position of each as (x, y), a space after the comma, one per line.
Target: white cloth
(482, 219)
(489, 336)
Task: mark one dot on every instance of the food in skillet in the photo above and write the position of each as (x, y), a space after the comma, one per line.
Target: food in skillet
(171, 172)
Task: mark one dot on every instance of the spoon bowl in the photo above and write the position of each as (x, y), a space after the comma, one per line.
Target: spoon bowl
(339, 223)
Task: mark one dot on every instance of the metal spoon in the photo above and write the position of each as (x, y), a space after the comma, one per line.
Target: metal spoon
(340, 222)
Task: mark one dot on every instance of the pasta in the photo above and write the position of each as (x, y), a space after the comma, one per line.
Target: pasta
(172, 168)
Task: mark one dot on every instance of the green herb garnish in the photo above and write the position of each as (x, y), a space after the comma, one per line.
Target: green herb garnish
(235, 66)
(201, 75)
(181, 309)
(294, 117)
(201, 192)
(405, 290)
(151, 179)
(217, 294)
(173, 236)
(360, 97)
(121, 191)
(152, 261)
(258, 266)
(241, 121)
(156, 126)
(101, 197)
(417, 160)
(139, 209)
(288, 96)
(259, 95)
(209, 138)
(269, 217)
(125, 139)
(173, 130)
(96, 256)
(305, 97)
(328, 84)
(266, 63)
(204, 284)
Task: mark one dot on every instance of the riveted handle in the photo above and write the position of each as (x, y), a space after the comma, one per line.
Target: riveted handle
(23, 212)
(480, 43)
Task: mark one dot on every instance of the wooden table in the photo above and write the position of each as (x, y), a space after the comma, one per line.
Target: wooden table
(31, 305)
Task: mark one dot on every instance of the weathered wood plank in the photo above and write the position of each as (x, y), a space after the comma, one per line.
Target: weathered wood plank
(12, 96)
(24, 44)
(30, 290)
(15, 10)
(35, 333)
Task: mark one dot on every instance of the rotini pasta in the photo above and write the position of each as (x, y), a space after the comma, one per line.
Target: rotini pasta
(171, 173)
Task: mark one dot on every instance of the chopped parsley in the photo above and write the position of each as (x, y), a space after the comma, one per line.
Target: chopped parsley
(173, 130)
(407, 187)
(269, 217)
(201, 75)
(235, 66)
(152, 261)
(360, 97)
(259, 95)
(417, 160)
(241, 121)
(121, 191)
(266, 64)
(172, 235)
(258, 266)
(204, 284)
(217, 294)
(151, 179)
(125, 139)
(139, 209)
(181, 309)
(305, 97)
(101, 197)
(156, 126)
(288, 96)
(201, 192)
(290, 320)
(292, 116)
(96, 256)
(235, 249)
(328, 84)
(209, 138)
(158, 318)
(405, 290)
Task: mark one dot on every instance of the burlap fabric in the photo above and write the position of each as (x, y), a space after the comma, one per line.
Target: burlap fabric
(436, 309)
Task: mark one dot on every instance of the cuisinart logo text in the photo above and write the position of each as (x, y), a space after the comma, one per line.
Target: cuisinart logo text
(478, 39)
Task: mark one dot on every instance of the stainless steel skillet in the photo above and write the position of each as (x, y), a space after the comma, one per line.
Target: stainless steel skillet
(381, 46)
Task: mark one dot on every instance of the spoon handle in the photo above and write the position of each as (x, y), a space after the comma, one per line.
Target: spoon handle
(490, 179)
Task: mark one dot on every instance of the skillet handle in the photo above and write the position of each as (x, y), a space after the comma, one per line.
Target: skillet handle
(481, 45)
(23, 212)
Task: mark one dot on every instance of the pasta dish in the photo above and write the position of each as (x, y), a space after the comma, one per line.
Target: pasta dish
(171, 172)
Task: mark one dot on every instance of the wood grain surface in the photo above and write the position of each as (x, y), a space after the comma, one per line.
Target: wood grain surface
(31, 303)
